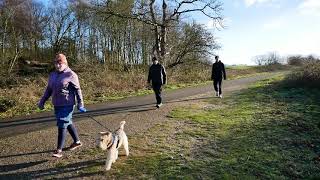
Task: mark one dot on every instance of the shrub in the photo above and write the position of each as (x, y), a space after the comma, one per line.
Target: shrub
(6, 104)
(308, 75)
(301, 60)
(295, 60)
(8, 81)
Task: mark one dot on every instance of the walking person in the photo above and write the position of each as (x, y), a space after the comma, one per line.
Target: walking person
(218, 72)
(63, 86)
(157, 78)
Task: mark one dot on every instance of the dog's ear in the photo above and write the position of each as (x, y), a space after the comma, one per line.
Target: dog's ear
(104, 133)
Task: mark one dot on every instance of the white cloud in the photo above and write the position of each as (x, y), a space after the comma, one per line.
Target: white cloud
(305, 43)
(310, 7)
(253, 2)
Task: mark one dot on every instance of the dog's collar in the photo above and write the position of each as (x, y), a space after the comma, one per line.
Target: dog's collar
(111, 143)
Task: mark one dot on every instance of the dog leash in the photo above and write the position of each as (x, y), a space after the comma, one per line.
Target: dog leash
(89, 116)
(106, 129)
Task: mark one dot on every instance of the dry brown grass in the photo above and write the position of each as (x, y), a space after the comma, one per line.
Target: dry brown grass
(99, 83)
(19, 94)
(308, 75)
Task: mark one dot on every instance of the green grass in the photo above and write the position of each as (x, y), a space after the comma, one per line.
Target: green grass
(61, 164)
(268, 131)
(239, 67)
(155, 155)
(91, 169)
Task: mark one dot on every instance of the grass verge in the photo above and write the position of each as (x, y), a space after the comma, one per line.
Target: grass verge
(19, 95)
(269, 131)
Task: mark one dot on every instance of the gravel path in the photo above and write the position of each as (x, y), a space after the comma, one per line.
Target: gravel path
(27, 143)
(40, 121)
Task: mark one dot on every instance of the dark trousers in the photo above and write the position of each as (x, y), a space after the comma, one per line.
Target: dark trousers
(217, 85)
(62, 132)
(157, 91)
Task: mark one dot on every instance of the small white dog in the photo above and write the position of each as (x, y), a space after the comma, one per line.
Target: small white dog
(111, 142)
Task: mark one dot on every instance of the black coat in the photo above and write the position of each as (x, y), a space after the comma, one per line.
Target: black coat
(218, 71)
(157, 74)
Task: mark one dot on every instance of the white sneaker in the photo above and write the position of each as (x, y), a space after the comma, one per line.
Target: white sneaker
(220, 96)
(159, 105)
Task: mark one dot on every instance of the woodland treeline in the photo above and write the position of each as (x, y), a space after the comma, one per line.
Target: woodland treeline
(117, 33)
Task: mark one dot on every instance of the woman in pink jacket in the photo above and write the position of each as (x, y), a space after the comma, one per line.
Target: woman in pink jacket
(63, 86)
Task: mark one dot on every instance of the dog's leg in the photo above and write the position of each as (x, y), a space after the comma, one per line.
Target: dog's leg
(126, 144)
(109, 159)
(115, 155)
(108, 164)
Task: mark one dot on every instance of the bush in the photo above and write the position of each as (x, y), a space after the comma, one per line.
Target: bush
(295, 60)
(8, 81)
(308, 75)
(6, 104)
(301, 60)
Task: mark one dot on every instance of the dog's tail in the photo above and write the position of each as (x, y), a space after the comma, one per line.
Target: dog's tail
(122, 125)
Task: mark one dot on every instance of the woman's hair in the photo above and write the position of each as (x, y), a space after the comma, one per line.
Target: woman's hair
(61, 58)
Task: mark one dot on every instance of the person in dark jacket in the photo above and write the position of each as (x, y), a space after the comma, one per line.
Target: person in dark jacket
(218, 72)
(157, 78)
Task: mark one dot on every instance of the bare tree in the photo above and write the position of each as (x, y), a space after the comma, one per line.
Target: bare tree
(193, 41)
(267, 59)
(61, 23)
(17, 19)
(259, 60)
(162, 15)
(119, 33)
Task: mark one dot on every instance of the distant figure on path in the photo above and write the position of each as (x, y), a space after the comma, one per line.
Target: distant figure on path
(63, 86)
(158, 77)
(218, 71)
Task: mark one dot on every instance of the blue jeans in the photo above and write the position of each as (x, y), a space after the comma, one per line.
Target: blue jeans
(64, 123)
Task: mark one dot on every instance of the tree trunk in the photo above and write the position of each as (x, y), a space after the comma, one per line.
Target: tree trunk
(163, 32)
(14, 59)
(4, 41)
